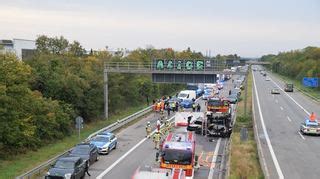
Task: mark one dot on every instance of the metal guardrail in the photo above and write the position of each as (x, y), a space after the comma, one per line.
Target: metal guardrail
(37, 171)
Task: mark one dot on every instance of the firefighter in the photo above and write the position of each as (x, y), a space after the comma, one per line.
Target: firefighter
(156, 139)
(158, 124)
(148, 129)
(167, 126)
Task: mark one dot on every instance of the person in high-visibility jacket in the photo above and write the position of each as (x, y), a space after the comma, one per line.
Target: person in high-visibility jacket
(194, 107)
(158, 106)
(156, 139)
(148, 129)
(312, 116)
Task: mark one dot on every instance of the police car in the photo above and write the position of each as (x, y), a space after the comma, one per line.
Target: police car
(310, 127)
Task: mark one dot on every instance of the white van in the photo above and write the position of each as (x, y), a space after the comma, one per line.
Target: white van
(187, 94)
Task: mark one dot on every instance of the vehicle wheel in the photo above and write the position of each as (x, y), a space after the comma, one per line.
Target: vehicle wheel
(97, 157)
(115, 145)
(108, 151)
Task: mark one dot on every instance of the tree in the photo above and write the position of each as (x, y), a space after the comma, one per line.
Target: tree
(75, 49)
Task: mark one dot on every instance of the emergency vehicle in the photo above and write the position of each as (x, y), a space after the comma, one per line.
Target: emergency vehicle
(178, 152)
(218, 105)
(159, 173)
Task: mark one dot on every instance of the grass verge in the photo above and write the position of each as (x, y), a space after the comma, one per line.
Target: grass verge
(314, 93)
(244, 159)
(19, 164)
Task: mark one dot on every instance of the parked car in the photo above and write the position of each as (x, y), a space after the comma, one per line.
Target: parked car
(233, 98)
(105, 142)
(67, 168)
(88, 152)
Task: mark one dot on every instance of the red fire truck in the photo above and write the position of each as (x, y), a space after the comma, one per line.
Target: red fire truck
(178, 152)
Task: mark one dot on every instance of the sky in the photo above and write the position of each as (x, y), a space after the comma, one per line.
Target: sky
(249, 28)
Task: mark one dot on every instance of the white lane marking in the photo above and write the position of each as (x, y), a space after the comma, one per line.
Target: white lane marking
(273, 155)
(125, 155)
(259, 142)
(276, 101)
(214, 159)
(301, 136)
(289, 119)
(291, 98)
(281, 108)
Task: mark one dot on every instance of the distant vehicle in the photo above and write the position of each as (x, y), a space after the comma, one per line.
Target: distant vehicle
(233, 98)
(87, 151)
(310, 127)
(105, 142)
(195, 87)
(187, 103)
(207, 94)
(267, 79)
(288, 87)
(187, 94)
(236, 91)
(67, 167)
(275, 91)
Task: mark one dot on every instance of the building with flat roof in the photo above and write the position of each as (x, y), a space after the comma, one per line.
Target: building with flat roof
(21, 47)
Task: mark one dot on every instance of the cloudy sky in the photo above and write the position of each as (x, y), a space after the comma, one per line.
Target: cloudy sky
(249, 28)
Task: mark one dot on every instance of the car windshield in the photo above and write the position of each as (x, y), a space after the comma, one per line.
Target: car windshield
(101, 139)
(64, 164)
(214, 102)
(81, 149)
(171, 156)
(183, 95)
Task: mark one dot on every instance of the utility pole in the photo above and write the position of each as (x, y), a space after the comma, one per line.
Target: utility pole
(105, 77)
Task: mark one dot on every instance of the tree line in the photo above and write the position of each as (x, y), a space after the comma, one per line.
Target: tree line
(41, 96)
(296, 64)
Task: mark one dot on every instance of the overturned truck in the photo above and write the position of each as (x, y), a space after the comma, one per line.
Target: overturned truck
(213, 124)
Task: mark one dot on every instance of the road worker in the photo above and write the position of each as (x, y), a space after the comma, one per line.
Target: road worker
(148, 129)
(312, 116)
(156, 139)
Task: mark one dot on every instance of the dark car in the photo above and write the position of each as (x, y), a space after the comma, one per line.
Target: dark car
(233, 98)
(67, 168)
(88, 152)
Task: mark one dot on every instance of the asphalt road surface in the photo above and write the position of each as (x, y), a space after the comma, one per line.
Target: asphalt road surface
(286, 152)
(134, 150)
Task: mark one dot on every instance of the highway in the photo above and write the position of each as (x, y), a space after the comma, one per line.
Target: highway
(135, 151)
(286, 152)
